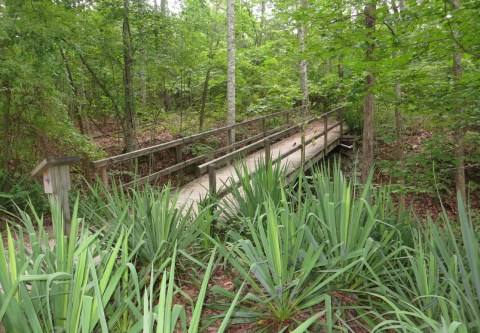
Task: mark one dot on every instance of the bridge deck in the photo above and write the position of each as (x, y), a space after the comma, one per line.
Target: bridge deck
(198, 189)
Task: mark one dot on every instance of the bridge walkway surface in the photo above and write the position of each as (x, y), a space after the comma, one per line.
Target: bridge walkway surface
(198, 189)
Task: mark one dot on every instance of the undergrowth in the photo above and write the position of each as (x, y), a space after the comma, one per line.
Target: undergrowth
(322, 255)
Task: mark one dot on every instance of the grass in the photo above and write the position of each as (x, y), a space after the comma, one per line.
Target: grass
(324, 255)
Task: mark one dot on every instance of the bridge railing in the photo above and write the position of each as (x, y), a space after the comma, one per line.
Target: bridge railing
(212, 166)
(178, 144)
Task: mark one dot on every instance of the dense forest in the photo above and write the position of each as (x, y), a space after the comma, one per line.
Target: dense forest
(74, 70)
(397, 249)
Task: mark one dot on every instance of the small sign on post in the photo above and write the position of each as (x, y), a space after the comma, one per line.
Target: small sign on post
(55, 172)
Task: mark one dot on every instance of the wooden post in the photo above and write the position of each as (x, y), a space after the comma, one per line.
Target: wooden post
(56, 182)
(229, 137)
(325, 135)
(302, 143)
(264, 127)
(212, 179)
(267, 151)
(288, 118)
(341, 121)
(104, 176)
(179, 159)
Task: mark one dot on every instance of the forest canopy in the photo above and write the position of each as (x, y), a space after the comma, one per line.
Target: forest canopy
(71, 69)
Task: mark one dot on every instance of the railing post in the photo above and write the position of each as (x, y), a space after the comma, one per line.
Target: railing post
(212, 179)
(229, 137)
(56, 183)
(341, 121)
(178, 154)
(302, 136)
(288, 118)
(264, 127)
(325, 135)
(267, 152)
(179, 159)
(104, 176)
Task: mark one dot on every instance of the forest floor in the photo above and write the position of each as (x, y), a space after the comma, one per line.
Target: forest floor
(436, 195)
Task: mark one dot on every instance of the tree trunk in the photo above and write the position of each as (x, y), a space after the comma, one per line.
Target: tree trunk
(231, 68)
(6, 130)
(399, 118)
(130, 140)
(400, 145)
(262, 23)
(76, 99)
(459, 130)
(163, 7)
(369, 103)
(100, 84)
(303, 62)
(341, 98)
(211, 54)
(142, 75)
(204, 99)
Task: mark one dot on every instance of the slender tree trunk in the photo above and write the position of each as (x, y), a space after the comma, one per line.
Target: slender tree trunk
(231, 68)
(6, 130)
(83, 102)
(341, 98)
(303, 62)
(369, 103)
(100, 84)
(163, 7)
(262, 23)
(129, 108)
(398, 117)
(76, 102)
(142, 75)
(211, 54)
(400, 144)
(459, 130)
(204, 99)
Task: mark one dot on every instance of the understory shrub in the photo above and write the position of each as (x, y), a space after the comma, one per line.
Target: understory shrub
(155, 220)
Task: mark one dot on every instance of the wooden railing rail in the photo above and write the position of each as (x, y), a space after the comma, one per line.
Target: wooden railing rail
(246, 149)
(101, 164)
(197, 159)
(211, 166)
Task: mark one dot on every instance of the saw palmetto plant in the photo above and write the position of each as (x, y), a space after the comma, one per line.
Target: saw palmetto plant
(154, 219)
(71, 284)
(324, 255)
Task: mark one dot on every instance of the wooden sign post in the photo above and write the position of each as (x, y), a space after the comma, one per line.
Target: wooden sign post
(56, 182)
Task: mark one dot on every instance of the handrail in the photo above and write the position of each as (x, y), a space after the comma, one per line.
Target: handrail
(196, 159)
(260, 143)
(211, 166)
(257, 141)
(153, 149)
(230, 156)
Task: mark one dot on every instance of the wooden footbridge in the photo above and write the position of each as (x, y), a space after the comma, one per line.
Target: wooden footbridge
(291, 138)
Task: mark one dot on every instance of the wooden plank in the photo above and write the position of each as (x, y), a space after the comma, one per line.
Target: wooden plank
(53, 161)
(212, 179)
(325, 130)
(104, 176)
(267, 151)
(199, 187)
